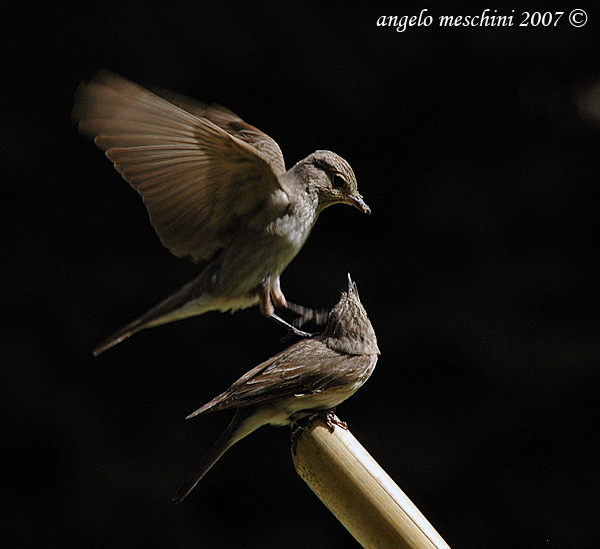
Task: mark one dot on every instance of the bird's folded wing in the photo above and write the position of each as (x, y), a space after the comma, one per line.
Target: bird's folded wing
(199, 183)
(304, 368)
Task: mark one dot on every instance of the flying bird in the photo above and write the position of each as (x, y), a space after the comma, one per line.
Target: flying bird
(313, 375)
(217, 192)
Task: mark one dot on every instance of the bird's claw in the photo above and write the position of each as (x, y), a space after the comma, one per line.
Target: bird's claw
(292, 331)
(330, 419)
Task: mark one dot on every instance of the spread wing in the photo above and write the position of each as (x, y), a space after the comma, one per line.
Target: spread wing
(232, 124)
(304, 368)
(199, 181)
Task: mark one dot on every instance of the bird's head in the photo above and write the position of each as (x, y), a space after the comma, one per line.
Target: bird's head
(349, 329)
(333, 179)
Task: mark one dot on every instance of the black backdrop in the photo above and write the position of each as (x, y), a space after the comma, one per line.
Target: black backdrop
(477, 150)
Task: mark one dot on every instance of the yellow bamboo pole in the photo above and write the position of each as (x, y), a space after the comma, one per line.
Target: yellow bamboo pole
(358, 491)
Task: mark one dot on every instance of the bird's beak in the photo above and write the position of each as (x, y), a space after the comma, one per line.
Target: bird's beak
(357, 201)
(352, 288)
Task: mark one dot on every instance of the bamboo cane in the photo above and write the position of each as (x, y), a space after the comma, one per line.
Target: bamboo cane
(358, 491)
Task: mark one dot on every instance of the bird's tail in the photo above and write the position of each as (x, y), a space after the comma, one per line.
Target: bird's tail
(240, 426)
(118, 336)
(189, 300)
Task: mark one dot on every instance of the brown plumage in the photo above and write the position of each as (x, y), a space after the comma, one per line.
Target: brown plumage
(313, 375)
(216, 191)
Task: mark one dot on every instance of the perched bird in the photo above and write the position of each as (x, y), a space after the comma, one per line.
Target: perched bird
(216, 190)
(312, 375)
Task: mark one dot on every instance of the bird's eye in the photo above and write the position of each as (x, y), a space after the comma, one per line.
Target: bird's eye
(338, 181)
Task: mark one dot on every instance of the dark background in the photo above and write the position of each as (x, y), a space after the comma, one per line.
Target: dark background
(477, 150)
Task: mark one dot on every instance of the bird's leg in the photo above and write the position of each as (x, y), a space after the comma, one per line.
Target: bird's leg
(268, 310)
(319, 316)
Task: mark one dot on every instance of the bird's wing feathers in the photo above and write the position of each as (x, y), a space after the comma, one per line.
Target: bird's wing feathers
(299, 370)
(199, 182)
(232, 124)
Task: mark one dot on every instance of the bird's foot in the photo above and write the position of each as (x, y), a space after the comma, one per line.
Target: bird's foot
(305, 314)
(291, 330)
(330, 419)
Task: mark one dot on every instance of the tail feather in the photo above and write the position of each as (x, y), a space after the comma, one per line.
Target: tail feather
(240, 426)
(118, 336)
(190, 300)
